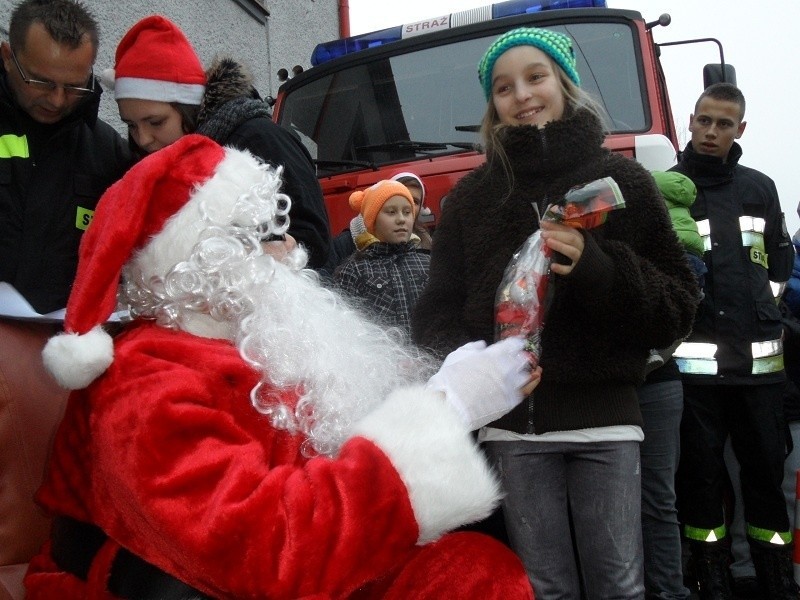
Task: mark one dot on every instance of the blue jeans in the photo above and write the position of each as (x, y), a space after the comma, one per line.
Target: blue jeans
(661, 404)
(593, 487)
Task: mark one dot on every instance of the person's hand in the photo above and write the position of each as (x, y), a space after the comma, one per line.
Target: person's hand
(482, 383)
(534, 377)
(567, 241)
(279, 249)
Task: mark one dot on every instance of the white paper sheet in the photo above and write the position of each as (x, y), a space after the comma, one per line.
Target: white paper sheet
(14, 306)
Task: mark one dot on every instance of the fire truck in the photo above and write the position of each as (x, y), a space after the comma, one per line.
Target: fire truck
(407, 98)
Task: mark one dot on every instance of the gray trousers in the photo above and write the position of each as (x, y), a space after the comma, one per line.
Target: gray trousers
(573, 515)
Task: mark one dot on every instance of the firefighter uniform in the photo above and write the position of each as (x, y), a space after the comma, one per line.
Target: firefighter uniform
(732, 363)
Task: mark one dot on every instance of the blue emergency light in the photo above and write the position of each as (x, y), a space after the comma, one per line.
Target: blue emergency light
(336, 48)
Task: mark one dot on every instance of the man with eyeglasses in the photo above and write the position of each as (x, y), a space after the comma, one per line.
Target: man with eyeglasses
(56, 160)
(56, 156)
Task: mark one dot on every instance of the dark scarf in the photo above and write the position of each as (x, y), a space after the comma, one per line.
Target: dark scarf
(230, 100)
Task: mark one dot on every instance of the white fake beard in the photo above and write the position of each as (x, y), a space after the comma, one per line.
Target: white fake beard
(305, 337)
(299, 335)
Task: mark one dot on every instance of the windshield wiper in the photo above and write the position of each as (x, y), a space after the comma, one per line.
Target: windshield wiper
(345, 163)
(420, 147)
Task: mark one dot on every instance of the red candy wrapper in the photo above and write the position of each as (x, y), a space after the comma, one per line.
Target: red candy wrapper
(524, 294)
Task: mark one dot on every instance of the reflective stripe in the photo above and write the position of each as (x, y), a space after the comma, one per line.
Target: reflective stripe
(752, 239)
(704, 229)
(752, 229)
(14, 146)
(705, 535)
(777, 288)
(780, 538)
(696, 350)
(696, 366)
(770, 364)
(767, 357)
(768, 348)
(754, 224)
(698, 358)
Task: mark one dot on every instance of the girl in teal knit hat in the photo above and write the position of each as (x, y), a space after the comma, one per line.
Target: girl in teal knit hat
(553, 75)
(568, 457)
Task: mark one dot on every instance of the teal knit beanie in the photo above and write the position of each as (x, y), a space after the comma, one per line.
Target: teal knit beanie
(556, 45)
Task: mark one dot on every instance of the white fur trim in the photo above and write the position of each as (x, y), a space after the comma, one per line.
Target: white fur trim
(234, 175)
(161, 91)
(448, 479)
(77, 360)
(107, 77)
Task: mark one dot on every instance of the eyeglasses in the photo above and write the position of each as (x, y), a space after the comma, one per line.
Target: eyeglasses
(50, 86)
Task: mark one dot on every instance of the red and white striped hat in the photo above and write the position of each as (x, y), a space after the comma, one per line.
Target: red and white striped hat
(155, 61)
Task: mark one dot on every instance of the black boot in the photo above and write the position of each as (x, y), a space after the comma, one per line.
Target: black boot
(709, 563)
(774, 568)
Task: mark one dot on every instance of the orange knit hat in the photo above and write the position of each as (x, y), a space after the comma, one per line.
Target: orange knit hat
(370, 201)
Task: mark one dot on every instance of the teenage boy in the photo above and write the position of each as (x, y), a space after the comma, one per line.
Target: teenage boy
(732, 363)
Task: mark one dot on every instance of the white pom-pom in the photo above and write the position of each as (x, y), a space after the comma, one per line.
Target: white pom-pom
(107, 78)
(77, 360)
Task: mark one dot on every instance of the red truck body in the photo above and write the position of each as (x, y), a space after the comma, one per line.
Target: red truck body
(372, 105)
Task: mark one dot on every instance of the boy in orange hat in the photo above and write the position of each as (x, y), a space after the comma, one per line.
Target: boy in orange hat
(387, 272)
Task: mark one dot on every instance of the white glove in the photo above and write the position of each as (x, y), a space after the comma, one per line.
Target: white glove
(483, 383)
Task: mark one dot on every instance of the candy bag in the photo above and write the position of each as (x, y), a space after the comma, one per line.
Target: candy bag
(525, 292)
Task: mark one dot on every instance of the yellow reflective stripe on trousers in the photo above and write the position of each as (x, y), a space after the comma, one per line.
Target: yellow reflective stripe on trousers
(779, 538)
(705, 535)
(698, 358)
(14, 146)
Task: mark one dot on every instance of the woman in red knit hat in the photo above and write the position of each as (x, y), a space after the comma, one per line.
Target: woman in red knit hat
(163, 93)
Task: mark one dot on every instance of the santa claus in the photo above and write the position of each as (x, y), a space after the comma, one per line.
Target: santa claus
(249, 434)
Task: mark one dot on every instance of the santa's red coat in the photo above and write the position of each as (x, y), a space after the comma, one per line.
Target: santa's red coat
(165, 453)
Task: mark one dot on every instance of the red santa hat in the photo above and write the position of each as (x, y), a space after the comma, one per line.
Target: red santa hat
(155, 61)
(128, 217)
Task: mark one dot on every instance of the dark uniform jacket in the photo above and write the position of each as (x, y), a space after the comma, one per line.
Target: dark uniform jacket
(747, 246)
(51, 177)
(632, 289)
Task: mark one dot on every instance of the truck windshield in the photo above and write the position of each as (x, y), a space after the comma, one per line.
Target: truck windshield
(427, 101)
